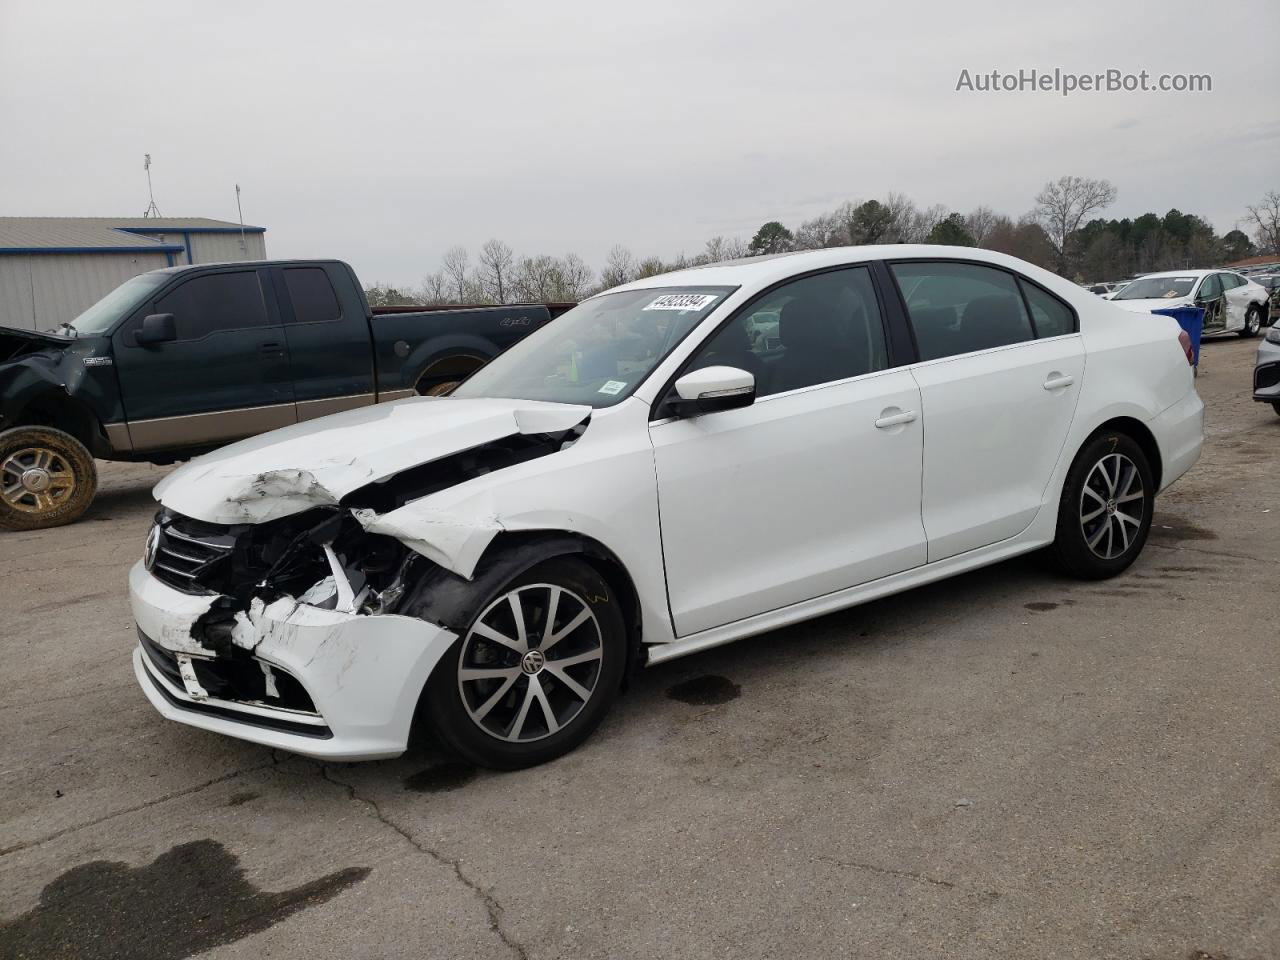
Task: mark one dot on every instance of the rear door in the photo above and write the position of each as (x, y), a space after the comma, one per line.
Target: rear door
(1236, 291)
(330, 350)
(226, 376)
(1210, 297)
(1001, 364)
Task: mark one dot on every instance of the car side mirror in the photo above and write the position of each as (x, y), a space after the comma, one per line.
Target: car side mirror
(157, 328)
(712, 389)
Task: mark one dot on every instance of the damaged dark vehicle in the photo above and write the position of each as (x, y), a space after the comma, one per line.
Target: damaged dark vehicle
(179, 361)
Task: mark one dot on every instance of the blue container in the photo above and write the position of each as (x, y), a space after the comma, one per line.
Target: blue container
(1190, 319)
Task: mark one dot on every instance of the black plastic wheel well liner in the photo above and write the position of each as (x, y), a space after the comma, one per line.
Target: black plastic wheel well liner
(57, 410)
(1142, 436)
(453, 602)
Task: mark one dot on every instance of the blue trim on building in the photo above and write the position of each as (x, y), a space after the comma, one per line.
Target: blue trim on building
(153, 248)
(247, 229)
(168, 258)
(186, 242)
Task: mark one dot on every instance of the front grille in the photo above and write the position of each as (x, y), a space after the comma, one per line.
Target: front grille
(189, 554)
(237, 679)
(1266, 377)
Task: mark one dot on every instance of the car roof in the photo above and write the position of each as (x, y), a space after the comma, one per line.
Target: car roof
(1179, 273)
(762, 271)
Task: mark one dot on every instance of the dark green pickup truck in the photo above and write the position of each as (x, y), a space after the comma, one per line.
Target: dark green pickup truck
(178, 361)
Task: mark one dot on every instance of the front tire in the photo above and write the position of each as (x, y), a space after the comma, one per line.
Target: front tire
(1104, 515)
(47, 478)
(1252, 323)
(535, 672)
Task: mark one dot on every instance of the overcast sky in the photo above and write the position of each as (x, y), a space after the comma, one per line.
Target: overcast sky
(383, 132)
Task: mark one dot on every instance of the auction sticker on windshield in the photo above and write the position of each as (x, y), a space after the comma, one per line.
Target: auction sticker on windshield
(682, 301)
(613, 387)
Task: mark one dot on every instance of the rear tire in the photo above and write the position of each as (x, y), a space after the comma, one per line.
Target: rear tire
(47, 478)
(504, 702)
(1275, 405)
(1252, 323)
(1104, 515)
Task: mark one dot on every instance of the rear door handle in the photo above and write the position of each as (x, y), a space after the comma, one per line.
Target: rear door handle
(894, 419)
(272, 349)
(1058, 382)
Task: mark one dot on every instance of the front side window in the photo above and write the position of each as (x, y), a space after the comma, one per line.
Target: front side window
(814, 330)
(121, 301)
(598, 352)
(311, 294)
(213, 302)
(1211, 289)
(958, 308)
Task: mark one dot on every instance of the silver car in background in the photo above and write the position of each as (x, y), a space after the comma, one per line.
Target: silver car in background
(1266, 374)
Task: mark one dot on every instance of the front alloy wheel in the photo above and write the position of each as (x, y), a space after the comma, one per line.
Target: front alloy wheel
(535, 671)
(47, 478)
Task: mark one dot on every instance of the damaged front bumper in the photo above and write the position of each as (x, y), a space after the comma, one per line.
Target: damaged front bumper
(342, 686)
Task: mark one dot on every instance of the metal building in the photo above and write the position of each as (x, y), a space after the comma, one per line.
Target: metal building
(52, 268)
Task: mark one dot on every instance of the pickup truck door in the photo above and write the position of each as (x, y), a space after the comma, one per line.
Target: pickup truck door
(327, 331)
(224, 377)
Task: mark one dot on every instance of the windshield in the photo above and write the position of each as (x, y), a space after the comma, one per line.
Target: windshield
(599, 351)
(1156, 288)
(99, 318)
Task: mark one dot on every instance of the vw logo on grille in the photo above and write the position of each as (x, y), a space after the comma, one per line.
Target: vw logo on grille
(533, 662)
(153, 544)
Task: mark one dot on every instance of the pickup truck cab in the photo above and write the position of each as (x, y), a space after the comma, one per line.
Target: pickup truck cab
(178, 361)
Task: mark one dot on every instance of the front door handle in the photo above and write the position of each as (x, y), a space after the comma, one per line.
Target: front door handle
(895, 419)
(1057, 382)
(272, 349)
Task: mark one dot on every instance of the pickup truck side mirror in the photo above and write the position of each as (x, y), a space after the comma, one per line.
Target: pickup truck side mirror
(156, 328)
(712, 389)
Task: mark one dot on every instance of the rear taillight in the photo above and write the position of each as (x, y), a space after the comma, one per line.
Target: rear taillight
(1185, 339)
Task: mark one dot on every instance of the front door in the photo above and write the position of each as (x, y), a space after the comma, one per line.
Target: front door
(226, 376)
(812, 489)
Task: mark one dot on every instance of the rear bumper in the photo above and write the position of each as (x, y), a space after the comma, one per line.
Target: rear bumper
(362, 675)
(1179, 433)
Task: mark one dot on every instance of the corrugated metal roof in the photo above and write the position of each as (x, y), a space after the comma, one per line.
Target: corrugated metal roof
(38, 233)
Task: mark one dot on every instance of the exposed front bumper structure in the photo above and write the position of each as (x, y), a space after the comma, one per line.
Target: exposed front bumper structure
(1266, 375)
(346, 685)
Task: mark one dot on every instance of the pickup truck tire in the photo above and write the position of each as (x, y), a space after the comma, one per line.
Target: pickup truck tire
(47, 478)
(443, 375)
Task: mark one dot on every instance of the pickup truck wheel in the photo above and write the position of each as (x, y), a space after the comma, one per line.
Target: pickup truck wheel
(47, 478)
(438, 389)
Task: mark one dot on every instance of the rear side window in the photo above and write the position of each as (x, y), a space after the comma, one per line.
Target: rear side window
(960, 308)
(312, 294)
(1051, 316)
(216, 301)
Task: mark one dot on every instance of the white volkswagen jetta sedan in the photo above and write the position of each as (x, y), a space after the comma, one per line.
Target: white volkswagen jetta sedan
(643, 479)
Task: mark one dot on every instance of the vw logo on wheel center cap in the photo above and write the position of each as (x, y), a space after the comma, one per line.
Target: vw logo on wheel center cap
(533, 662)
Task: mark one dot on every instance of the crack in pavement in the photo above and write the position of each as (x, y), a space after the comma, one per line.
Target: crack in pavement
(165, 798)
(886, 871)
(491, 904)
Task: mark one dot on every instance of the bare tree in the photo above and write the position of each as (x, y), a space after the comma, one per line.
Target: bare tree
(649, 267)
(575, 278)
(435, 288)
(619, 268)
(979, 222)
(1062, 206)
(495, 269)
(1266, 217)
(456, 267)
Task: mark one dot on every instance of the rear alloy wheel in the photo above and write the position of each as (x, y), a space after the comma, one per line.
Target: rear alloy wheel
(47, 478)
(535, 672)
(1104, 515)
(1252, 323)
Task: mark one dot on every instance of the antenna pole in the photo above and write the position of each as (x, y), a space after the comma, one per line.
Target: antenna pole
(152, 210)
(243, 248)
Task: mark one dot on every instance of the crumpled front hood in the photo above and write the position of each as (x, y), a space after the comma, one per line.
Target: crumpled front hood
(17, 343)
(1146, 306)
(319, 462)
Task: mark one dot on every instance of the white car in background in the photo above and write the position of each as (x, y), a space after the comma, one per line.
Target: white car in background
(1232, 303)
(639, 480)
